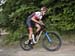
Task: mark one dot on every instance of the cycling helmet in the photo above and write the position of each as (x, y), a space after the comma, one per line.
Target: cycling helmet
(43, 8)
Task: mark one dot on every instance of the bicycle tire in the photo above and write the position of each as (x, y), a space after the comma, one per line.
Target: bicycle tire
(57, 46)
(24, 46)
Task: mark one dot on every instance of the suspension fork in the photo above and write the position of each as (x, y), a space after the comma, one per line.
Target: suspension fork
(48, 37)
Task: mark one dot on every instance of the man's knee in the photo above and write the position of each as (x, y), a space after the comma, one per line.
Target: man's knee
(38, 26)
(30, 30)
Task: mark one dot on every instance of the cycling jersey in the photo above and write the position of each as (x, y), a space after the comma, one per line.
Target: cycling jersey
(36, 15)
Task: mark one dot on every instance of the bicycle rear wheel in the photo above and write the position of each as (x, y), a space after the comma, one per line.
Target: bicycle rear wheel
(54, 43)
(23, 43)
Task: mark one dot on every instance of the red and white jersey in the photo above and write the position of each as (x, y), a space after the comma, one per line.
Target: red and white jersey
(38, 15)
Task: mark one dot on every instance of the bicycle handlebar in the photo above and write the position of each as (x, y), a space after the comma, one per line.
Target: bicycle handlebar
(42, 26)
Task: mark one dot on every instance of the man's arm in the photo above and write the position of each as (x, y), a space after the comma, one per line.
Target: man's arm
(33, 19)
(39, 22)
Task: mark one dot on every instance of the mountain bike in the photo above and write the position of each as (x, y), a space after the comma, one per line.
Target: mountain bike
(51, 41)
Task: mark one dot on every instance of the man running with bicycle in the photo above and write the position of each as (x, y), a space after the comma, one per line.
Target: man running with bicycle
(35, 20)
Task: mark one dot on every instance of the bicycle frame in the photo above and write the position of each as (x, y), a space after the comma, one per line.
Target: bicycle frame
(46, 34)
(38, 37)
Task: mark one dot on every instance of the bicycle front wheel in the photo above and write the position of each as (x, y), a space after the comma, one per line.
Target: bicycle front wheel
(52, 41)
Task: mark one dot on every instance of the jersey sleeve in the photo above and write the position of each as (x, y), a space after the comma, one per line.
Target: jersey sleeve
(40, 17)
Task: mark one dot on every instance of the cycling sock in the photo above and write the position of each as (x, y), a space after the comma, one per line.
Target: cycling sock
(30, 41)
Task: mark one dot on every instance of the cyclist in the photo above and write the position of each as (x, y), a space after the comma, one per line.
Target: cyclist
(35, 20)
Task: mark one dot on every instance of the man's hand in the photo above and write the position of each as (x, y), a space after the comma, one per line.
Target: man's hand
(42, 25)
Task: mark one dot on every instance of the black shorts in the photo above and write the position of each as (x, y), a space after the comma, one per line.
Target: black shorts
(30, 23)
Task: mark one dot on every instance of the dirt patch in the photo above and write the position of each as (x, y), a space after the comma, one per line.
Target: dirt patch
(67, 50)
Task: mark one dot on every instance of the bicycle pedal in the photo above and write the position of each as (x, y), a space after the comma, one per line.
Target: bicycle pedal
(31, 42)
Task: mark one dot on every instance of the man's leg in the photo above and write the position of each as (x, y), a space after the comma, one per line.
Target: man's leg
(38, 29)
(30, 34)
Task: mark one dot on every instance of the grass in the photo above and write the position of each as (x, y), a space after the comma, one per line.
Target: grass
(69, 37)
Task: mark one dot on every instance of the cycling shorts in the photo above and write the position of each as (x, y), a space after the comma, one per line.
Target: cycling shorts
(30, 23)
